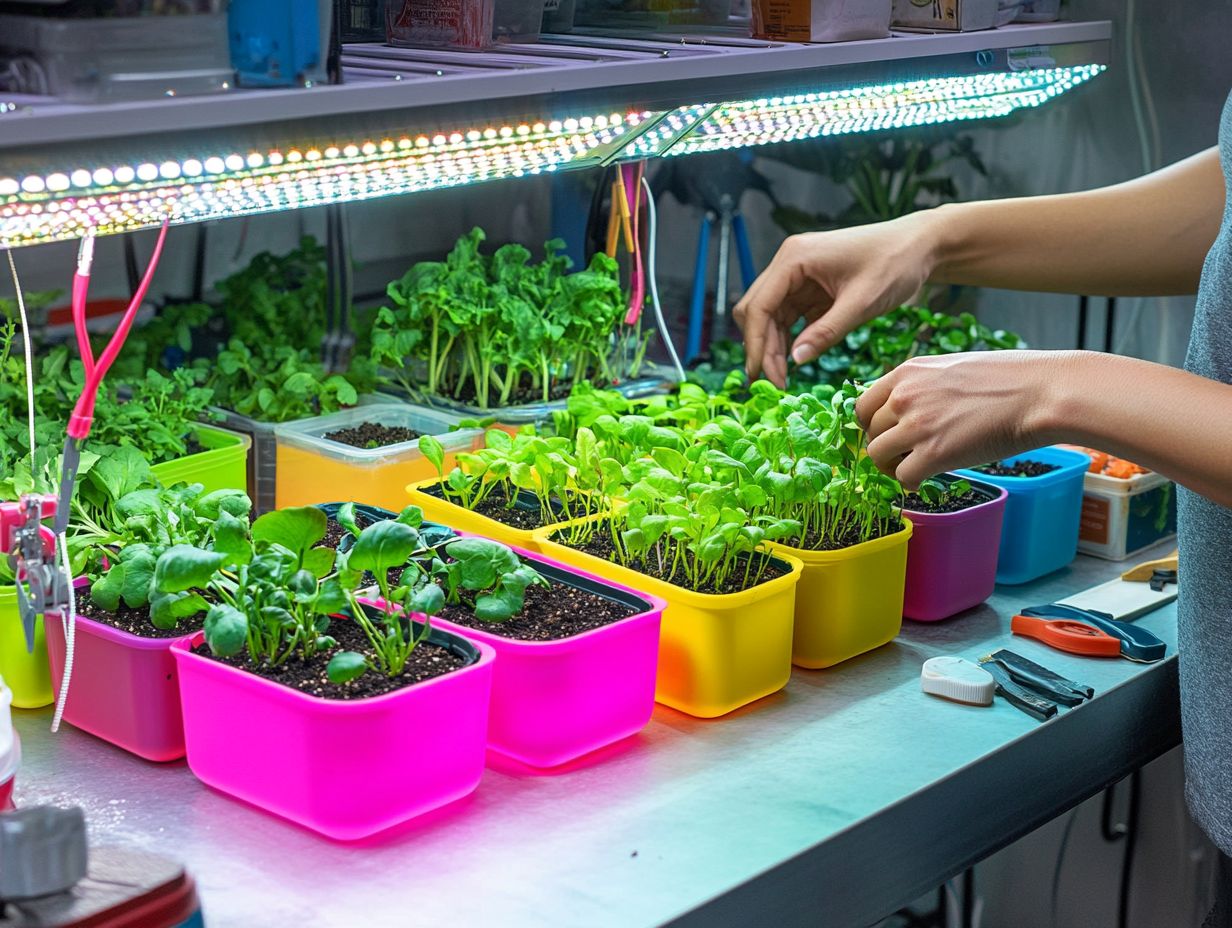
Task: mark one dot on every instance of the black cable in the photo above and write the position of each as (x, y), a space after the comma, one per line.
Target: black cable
(1131, 843)
(1056, 873)
(1110, 324)
(198, 278)
(1084, 308)
(130, 265)
(968, 898)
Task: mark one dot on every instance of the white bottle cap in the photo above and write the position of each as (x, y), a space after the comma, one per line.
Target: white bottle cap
(958, 679)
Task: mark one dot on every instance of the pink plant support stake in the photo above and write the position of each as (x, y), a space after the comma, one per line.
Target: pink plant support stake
(632, 177)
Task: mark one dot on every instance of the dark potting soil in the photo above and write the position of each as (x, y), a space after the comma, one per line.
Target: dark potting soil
(496, 507)
(600, 545)
(334, 532)
(192, 446)
(848, 538)
(560, 611)
(522, 395)
(373, 435)
(134, 621)
(1020, 468)
(426, 661)
(951, 503)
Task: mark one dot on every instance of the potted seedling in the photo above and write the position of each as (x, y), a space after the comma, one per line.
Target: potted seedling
(557, 631)
(952, 555)
(1039, 533)
(347, 726)
(514, 484)
(691, 540)
(372, 450)
(125, 685)
(504, 336)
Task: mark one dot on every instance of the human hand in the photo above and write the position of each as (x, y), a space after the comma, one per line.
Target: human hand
(934, 414)
(834, 280)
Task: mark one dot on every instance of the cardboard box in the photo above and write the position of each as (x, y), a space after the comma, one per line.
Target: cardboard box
(821, 20)
(945, 15)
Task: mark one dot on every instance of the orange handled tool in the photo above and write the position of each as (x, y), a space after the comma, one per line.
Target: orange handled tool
(1067, 635)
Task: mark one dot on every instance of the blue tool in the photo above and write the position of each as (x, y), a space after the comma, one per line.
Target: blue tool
(1137, 644)
(279, 43)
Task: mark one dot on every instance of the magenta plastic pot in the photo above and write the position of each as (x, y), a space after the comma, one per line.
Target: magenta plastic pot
(344, 768)
(952, 557)
(124, 688)
(554, 701)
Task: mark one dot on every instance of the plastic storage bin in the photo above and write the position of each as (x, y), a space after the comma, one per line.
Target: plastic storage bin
(125, 58)
(125, 688)
(263, 455)
(26, 673)
(310, 468)
(1121, 517)
(555, 701)
(952, 557)
(363, 20)
(849, 601)
(716, 652)
(440, 23)
(1039, 533)
(222, 466)
(345, 768)
(463, 520)
(280, 43)
(820, 20)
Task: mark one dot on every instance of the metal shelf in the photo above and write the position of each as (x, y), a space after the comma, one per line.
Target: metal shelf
(410, 120)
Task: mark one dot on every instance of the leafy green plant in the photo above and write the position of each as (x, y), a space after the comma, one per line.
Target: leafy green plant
(885, 176)
(155, 520)
(481, 329)
(936, 493)
(872, 349)
(277, 384)
(492, 575)
(272, 588)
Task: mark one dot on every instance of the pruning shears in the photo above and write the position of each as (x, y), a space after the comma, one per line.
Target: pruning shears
(1088, 632)
(30, 545)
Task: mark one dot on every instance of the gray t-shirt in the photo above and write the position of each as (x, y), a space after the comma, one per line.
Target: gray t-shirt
(1206, 559)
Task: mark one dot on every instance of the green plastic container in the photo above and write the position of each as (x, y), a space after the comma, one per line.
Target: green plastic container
(28, 675)
(222, 466)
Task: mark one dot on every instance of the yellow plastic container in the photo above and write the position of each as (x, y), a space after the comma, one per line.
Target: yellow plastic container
(456, 517)
(716, 653)
(311, 468)
(28, 675)
(849, 601)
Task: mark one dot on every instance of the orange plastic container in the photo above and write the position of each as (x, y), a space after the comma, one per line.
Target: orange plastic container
(311, 468)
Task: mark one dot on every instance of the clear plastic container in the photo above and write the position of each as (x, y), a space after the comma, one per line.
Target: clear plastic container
(363, 20)
(105, 60)
(310, 468)
(439, 23)
(517, 20)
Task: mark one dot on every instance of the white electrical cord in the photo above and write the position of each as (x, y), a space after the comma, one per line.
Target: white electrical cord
(25, 335)
(651, 246)
(67, 617)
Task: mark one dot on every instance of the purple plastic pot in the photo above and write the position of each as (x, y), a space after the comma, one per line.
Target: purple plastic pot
(952, 557)
(124, 689)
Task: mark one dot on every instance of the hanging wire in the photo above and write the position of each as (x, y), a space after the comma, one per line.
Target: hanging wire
(652, 247)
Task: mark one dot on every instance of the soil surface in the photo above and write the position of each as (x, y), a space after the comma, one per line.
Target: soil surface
(951, 503)
(1020, 468)
(192, 446)
(373, 435)
(134, 621)
(496, 507)
(601, 547)
(523, 394)
(848, 539)
(334, 532)
(550, 614)
(427, 661)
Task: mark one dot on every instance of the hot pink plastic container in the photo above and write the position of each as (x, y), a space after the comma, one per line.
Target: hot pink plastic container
(345, 769)
(125, 688)
(554, 701)
(952, 557)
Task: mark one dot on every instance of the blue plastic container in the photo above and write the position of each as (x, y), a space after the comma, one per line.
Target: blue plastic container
(1039, 533)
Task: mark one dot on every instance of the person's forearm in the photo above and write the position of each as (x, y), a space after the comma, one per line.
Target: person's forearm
(1148, 236)
(1168, 420)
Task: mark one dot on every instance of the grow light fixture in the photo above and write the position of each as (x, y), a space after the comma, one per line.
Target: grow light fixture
(64, 201)
(884, 106)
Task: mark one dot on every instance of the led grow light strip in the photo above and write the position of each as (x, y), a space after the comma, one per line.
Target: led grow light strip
(116, 198)
(886, 106)
(113, 198)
